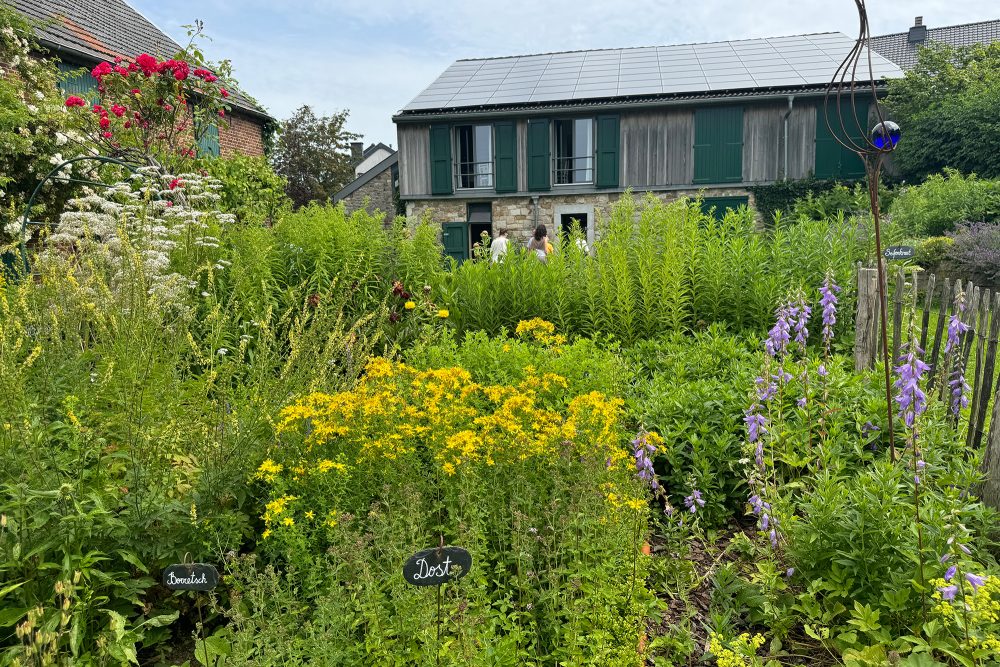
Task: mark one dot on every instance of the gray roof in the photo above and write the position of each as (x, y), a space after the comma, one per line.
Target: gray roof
(93, 31)
(897, 47)
(717, 67)
(367, 177)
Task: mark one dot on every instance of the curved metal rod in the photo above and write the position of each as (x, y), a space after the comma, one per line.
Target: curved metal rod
(31, 200)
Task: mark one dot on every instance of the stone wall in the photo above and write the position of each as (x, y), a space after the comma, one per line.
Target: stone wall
(242, 137)
(517, 214)
(375, 195)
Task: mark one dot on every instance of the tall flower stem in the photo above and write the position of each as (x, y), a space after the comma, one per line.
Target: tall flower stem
(874, 166)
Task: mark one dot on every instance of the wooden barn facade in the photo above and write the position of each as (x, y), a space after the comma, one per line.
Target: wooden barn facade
(545, 139)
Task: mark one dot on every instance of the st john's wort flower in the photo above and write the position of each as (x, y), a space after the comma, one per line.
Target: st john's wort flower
(912, 401)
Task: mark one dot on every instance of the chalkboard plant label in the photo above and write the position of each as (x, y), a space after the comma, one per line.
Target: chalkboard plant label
(191, 577)
(439, 565)
(899, 252)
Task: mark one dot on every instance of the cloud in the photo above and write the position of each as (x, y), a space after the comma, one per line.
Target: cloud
(374, 56)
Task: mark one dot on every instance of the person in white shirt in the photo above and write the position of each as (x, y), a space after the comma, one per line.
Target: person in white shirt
(498, 248)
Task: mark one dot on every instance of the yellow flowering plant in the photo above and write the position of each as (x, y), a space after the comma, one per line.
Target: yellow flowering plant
(533, 476)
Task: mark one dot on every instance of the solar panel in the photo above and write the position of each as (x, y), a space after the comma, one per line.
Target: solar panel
(685, 68)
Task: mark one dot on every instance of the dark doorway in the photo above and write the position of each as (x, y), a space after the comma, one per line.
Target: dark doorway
(480, 218)
(566, 223)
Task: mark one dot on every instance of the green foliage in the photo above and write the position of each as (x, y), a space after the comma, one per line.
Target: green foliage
(942, 201)
(781, 197)
(930, 252)
(947, 106)
(675, 270)
(250, 189)
(34, 130)
(313, 155)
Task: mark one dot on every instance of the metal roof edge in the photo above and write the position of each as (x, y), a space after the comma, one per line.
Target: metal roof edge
(620, 103)
(366, 177)
(943, 27)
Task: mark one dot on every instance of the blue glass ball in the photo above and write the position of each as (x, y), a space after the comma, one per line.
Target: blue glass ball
(885, 135)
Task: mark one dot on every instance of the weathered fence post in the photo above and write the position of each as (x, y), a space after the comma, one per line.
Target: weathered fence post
(986, 390)
(865, 340)
(977, 379)
(947, 299)
(897, 313)
(928, 302)
(989, 491)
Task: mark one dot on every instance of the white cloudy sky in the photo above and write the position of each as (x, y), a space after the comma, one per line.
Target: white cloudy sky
(373, 56)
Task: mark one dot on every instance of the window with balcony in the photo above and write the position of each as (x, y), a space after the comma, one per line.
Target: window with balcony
(475, 156)
(574, 151)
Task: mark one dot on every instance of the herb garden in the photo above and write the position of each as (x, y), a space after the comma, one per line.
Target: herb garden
(654, 451)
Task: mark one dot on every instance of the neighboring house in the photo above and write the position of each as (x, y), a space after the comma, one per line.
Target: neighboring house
(83, 33)
(902, 47)
(548, 138)
(369, 157)
(376, 185)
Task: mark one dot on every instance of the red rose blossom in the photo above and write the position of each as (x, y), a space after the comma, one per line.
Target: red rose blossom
(107, 135)
(147, 64)
(101, 70)
(223, 92)
(222, 113)
(118, 110)
(74, 101)
(175, 183)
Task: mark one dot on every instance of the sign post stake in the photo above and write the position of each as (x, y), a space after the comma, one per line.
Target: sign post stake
(434, 567)
(197, 577)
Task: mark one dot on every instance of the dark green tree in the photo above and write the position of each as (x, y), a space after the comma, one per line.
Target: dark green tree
(313, 153)
(948, 107)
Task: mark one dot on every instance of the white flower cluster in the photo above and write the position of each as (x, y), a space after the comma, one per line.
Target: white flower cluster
(145, 219)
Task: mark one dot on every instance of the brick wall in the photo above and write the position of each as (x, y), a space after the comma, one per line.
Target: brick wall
(375, 195)
(242, 137)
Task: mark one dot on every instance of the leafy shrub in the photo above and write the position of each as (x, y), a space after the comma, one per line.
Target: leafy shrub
(250, 189)
(658, 268)
(779, 198)
(942, 201)
(930, 252)
(975, 250)
(534, 480)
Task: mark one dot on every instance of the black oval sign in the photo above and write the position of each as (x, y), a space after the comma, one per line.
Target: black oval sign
(899, 252)
(431, 567)
(191, 577)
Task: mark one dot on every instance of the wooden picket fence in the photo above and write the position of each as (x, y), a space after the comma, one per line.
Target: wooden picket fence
(913, 297)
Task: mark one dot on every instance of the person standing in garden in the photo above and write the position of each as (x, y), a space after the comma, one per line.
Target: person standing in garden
(498, 248)
(539, 243)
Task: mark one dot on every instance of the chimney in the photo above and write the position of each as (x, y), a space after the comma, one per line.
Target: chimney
(357, 148)
(918, 33)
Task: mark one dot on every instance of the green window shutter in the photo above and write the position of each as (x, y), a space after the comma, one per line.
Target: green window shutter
(76, 82)
(538, 154)
(440, 153)
(455, 238)
(208, 144)
(505, 138)
(718, 145)
(608, 142)
(717, 206)
(832, 159)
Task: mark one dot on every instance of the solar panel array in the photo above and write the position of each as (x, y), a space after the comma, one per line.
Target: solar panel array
(687, 68)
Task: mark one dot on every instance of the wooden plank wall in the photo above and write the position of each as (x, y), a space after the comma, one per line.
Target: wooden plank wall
(522, 155)
(414, 159)
(763, 134)
(657, 148)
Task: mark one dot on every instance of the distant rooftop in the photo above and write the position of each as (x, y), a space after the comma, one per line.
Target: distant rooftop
(683, 69)
(902, 47)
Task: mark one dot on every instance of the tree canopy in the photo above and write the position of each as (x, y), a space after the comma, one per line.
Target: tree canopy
(947, 107)
(314, 154)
